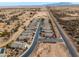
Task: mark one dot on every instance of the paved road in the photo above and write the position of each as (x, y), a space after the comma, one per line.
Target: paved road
(71, 47)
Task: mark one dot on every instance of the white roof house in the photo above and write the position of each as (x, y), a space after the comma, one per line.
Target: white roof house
(19, 45)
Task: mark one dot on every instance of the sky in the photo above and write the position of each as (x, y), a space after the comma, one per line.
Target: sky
(25, 3)
(22, 3)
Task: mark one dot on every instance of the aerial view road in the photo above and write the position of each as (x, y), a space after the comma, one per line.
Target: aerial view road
(39, 31)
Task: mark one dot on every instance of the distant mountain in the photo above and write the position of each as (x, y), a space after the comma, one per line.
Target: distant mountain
(63, 4)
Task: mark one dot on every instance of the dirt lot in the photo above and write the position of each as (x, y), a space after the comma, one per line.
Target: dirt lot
(50, 50)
